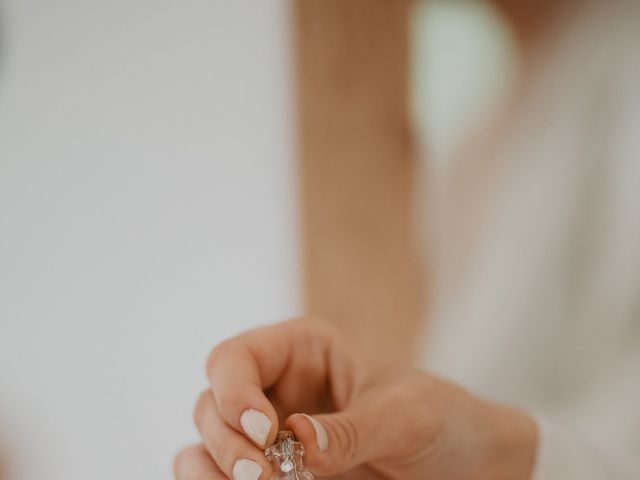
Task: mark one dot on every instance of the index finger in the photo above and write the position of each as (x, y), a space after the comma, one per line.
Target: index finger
(240, 369)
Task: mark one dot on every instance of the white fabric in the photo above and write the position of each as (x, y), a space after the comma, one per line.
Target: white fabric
(562, 455)
(537, 288)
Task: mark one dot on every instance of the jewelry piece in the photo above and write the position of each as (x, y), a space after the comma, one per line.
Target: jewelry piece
(285, 455)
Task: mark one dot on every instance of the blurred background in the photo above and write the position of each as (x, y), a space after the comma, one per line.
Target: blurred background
(147, 200)
(175, 172)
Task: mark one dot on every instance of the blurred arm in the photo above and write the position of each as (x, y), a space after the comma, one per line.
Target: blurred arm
(361, 269)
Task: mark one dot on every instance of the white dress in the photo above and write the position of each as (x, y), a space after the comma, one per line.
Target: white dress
(536, 297)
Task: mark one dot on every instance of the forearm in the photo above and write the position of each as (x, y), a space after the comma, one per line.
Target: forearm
(362, 270)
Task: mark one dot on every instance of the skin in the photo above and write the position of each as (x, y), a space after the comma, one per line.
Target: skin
(382, 421)
(532, 20)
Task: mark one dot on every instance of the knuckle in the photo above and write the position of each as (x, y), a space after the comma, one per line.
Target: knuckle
(180, 463)
(231, 404)
(401, 395)
(204, 402)
(414, 396)
(219, 350)
(225, 457)
(346, 437)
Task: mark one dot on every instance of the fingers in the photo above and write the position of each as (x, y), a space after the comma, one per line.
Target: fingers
(387, 420)
(194, 463)
(338, 442)
(241, 369)
(234, 454)
(235, 378)
(303, 365)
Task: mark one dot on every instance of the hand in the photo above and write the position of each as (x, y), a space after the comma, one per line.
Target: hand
(369, 420)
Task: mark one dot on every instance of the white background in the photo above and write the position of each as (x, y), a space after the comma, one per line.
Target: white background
(147, 210)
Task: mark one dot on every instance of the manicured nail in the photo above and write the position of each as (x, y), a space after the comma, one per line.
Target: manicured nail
(245, 469)
(256, 424)
(321, 433)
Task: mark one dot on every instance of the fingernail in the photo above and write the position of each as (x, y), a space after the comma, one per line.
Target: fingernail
(256, 424)
(245, 469)
(321, 433)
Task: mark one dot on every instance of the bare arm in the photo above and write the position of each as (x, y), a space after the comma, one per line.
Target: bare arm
(360, 263)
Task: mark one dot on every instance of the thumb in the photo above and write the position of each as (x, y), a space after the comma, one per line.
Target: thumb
(337, 442)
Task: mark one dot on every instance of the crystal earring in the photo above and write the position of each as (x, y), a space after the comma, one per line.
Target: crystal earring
(285, 456)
